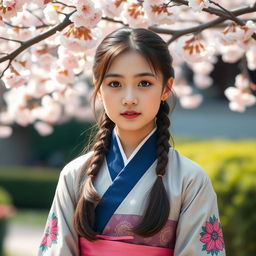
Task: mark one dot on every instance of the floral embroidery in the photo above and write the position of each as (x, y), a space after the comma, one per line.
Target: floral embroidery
(51, 233)
(212, 237)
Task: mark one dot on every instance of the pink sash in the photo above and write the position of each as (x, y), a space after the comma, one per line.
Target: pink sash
(110, 246)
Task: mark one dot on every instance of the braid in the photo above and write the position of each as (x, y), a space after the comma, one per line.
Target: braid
(163, 136)
(84, 216)
(158, 208)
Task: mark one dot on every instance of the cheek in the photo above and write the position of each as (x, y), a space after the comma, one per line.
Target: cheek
(154, 98)
(110, 103)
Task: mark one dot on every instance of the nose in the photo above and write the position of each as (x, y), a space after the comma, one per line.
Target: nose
(129, 98)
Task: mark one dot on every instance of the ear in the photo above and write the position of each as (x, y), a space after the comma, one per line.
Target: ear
(167, 90)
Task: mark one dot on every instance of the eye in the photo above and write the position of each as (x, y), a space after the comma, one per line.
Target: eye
(114, 84)
(144, 83)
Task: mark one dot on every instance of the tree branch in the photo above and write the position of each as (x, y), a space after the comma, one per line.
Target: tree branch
(25, 27)
(232, 15)
(115, 21)
(9, 64)
(222, 14)
(58, 2)
(12, 40)
(36, 39)
(36, 16)
(178, 33)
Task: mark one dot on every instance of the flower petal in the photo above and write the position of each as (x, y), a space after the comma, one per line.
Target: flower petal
(219, 244)
(216, 225)
(53, 237)
(54, 230)
(209, 227)
(220, 232)
(44, 241)
(211, 246)
(49, 241)
(206, 238)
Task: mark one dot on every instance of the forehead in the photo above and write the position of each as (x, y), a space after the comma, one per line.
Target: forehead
(128, 63)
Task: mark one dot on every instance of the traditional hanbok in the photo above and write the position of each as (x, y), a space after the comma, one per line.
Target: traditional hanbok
(193, 227)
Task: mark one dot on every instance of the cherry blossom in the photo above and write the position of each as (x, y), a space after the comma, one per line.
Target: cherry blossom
(182, 90)
(14, 79)
(23, 117)
(43, 129)
(192, 49)
(6, 118)
(1, 21)
(9, 8)
(25, 18)
(47, 49)
(251, 57)
(51, 13)
(112, 8)
(191, 101)
(134, 14)
(86, 15)
(233, 33)
(5, 131)
(198, 5)
(81, 19)
(240, 96)
(159, 13)
(231, 53)
(79, 39)
(202, 81)
(63, 75)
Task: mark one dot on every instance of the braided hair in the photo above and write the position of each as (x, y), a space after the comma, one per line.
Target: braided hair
(158, 208)
(84, 216)
(156, 52)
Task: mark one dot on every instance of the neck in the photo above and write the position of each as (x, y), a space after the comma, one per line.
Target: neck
(131, 139)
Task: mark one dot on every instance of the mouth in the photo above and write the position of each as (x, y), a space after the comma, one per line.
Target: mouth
(130, 114)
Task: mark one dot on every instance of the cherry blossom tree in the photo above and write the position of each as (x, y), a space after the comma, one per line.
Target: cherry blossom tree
(47, 48)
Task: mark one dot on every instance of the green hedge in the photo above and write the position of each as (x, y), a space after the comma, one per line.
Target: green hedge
(232, 168)
(230, 164)
(30, 187)
(5, 201)
(5, 197)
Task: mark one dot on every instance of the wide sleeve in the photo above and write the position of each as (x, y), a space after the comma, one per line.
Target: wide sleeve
(199, 230)
(59, 236)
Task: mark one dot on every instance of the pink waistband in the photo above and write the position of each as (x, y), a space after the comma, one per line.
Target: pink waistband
(112, 246)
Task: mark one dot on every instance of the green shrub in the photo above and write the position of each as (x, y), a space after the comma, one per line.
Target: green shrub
(30, 187)
(232, 168)
(5, 197)
(5, 212)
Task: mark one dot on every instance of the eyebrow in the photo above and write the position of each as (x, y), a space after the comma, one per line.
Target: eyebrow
(137, 75)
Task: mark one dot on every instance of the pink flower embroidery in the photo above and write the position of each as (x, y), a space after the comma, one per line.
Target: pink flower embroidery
(51, 233)
(212, 237)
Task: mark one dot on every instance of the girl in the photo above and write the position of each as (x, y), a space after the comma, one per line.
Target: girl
(133, 194)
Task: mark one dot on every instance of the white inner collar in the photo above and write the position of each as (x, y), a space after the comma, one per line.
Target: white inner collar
(125, 159)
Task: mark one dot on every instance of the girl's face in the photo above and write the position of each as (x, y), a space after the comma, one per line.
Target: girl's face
(131, 93)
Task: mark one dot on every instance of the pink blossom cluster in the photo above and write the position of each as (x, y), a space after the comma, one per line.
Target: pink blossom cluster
(240, 96)
(46, 83)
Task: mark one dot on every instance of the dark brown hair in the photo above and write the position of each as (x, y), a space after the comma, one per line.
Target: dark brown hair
(156, 52)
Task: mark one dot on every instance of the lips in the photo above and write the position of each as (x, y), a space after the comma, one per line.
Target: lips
(130, 114)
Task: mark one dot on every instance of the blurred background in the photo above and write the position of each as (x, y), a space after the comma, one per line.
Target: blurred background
(222, 141)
